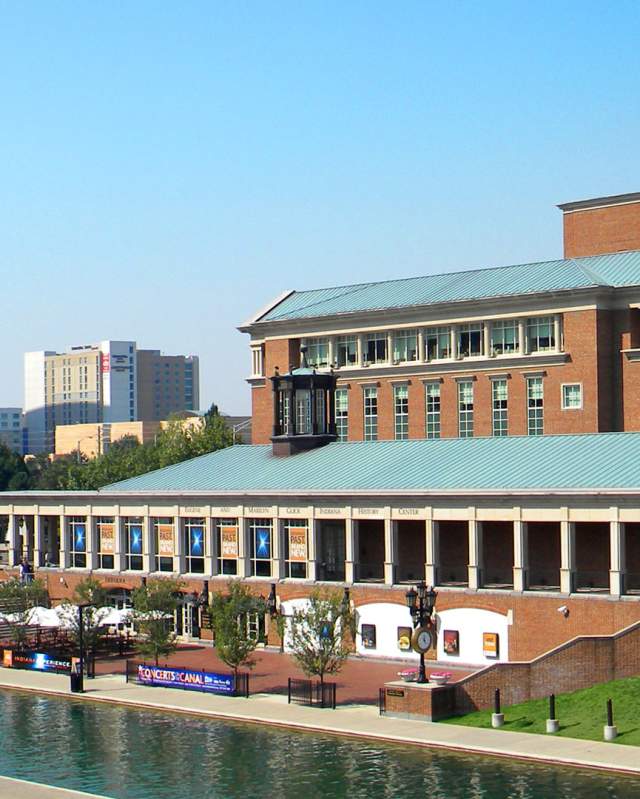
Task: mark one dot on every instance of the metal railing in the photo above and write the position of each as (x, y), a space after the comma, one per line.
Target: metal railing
(306, 692)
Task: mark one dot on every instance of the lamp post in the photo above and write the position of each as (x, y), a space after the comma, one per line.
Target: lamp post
(421, 601)
(79, 685)
(272, 601)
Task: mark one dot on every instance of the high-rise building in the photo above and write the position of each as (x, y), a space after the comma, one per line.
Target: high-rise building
(102, 383)
(11, 428)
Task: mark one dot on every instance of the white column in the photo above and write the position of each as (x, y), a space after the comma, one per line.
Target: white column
(617, 558)
(475, 554)
(244, 550)
(350, 549)
(422, 355)
(118, 564)
(567, 555)
(522, 337)
(486, 336)
(14, 542)
(180, 559)
(360, 349)
(277, 553)
(432, 550)
(92, 558)
(390, 550)
(38, 543)
(520, 555)
(389, 347)
(332, 350)
(454, 341)
(312, 537)
(148, 544)
(557, 332)
(63, 558)
(210, 547)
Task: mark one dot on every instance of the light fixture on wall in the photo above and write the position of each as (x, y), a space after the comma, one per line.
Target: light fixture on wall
(564, 610)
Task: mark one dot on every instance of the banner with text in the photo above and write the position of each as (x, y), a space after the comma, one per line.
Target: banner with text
(186, 678)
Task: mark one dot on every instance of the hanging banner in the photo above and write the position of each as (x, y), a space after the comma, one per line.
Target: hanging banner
(229, 541)
(490, 645)
(79, 538)
(186, 678)
(298, 544)
(165, 540)
(107, 539)
(196, 542)
(263, 543)
(135, 539)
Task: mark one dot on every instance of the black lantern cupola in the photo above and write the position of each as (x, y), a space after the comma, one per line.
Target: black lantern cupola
(303, 409)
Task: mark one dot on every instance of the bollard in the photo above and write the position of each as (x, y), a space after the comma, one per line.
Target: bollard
(553, 724)
(610, 729)
(497, 718)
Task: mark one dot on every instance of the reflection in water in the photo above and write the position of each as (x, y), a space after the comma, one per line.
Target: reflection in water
(132, 754)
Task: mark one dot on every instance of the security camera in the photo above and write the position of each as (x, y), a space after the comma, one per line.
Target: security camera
(564, 610)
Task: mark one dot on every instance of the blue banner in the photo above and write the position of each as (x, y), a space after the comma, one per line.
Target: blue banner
(186, 678)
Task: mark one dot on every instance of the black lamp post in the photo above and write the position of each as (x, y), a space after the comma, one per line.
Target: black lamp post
(421, 601)
(272, 601)
(80, 681)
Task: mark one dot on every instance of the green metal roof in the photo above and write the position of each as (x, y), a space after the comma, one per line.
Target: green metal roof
(542, 463)
(616, 270)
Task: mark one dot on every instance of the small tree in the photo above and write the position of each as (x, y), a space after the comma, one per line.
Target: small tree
(229, 613)
(153, 607)
(317, 634)
(88, 591)
(16, 600)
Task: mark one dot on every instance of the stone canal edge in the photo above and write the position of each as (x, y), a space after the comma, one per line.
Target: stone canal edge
(352, 721)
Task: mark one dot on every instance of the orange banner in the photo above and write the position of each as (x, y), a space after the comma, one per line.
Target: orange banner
(229, 542)
(298, 543)
(107, 539)
(165, 540)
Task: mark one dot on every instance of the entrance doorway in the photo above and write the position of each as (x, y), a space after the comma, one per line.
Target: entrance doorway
(187, 620)
(331, 550)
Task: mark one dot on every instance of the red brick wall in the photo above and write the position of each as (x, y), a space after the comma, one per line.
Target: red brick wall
(600, 230)
(282, 353)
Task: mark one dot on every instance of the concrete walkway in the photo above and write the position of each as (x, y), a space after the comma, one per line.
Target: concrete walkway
(353, 720)
(10, 789)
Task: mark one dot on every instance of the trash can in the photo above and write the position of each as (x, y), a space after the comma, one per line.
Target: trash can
(77, 686)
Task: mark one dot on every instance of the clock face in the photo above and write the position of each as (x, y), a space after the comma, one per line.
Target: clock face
(422, 639)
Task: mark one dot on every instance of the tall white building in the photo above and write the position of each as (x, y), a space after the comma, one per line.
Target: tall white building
(105, 382)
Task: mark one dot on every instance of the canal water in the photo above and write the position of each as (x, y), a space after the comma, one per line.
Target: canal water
(131, 754)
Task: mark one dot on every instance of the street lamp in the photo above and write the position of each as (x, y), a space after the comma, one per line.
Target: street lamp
(77, 686)
(272, 601)
(421, 601)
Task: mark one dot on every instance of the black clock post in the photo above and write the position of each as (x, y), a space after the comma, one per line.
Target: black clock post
(421, 601)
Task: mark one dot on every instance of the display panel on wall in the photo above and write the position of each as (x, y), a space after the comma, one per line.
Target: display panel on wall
(368, 633)
(491, 645)
(404, 638)
(451, 642)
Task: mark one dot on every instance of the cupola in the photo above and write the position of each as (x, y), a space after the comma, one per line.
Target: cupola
(303, 409)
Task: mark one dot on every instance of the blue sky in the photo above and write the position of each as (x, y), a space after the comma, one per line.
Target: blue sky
(167, 168)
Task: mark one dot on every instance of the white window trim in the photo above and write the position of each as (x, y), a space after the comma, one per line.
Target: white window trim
(573, 408)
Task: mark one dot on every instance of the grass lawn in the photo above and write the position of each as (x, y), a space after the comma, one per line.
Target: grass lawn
(582, 714)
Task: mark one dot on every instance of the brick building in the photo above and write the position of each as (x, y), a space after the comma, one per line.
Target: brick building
(530, 539)
(550, 347)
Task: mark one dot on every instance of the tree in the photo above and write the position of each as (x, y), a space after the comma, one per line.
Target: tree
(153, 607)
(317, 634)
(88, 591)
(229, 614)
(14, 475)
(16, 600)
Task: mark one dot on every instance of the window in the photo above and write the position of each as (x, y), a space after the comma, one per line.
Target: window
(317, 352)
(540, 334)
(303, 411)
(193, 537)
(106, 530)
(321, 413)
(465, 409)
(78, 541)
(227, 532)
(470, 340)
(256, 361)
(504, 337)
(260, 535)
(376, 351)
(370, 414)
(295, 547)
(438, 343)
(535, 406)
(432, 391)
(405, 346)
(571, 396)
(342, 413)
(499, 404)
(164, 538)
(401, 411)
(347, 351)
(133, 537)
